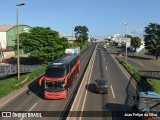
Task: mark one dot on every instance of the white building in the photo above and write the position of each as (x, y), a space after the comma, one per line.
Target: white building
(142, 47)
(3, 35)
(71, 39)
(8, 34)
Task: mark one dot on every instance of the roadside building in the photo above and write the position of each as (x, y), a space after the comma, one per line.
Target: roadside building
(142, 47)
(8, 34)
(8, 37)
(131, 48)
(71, 39)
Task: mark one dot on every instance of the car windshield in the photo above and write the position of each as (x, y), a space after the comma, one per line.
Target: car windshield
(102, 82)
(55, 72)
(54, 85)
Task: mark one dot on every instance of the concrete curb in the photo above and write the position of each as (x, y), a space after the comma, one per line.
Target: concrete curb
(127, 74)
(16, 93)
(76, 106)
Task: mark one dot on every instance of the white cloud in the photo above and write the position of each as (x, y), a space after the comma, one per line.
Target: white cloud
(138, 32)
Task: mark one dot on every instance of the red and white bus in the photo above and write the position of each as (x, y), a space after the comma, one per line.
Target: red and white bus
(59, 76)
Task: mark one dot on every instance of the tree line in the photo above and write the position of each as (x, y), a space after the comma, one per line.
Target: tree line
(47, 45)
(151, 39)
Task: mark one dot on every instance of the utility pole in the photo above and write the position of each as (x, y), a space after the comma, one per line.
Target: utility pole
(126, 40)
(18, 58)
(72, 36)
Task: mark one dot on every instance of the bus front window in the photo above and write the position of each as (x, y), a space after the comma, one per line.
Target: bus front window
(54, 85)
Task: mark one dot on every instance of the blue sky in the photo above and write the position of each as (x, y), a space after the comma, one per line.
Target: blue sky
(102, 17)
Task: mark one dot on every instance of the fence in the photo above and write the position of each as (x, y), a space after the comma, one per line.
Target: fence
(150, 74)
(12, 69)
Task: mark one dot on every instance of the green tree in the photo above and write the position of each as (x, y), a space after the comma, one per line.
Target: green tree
(81, 33)
(128, 36)
(152, 39)
(136, 42)
(43, 43)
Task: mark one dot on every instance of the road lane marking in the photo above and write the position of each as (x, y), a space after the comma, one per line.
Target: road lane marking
(124, 73)
(106, 68)
(83, 80)
(32, 106)
(112, 92)
(13, 97)
(104, 59)
(113, 50)
(139, 63)
(17, 94)
(93, 60)
(158, 63)
(78, 92)
(29, 110)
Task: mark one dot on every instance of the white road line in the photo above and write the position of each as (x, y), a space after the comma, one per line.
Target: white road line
(30, 110)
(32, 106)
(12, 97)
(139, 62)
(106, 68)
(17, 94)
(87, 83)
(112, 92)
(104, 59)
(158, 63)
(113, 50)
(125, 74)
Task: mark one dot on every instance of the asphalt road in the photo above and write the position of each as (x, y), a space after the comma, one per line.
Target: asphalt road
(121, 90)
(31, 99)
(140, 61)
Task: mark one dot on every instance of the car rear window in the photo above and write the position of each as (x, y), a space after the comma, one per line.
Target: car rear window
(102, 82)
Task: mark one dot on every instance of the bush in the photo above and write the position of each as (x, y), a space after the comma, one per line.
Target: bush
(9, 84)
(147, 85)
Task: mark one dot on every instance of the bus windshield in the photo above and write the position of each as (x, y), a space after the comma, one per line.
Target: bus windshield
(54, 85)
(55, 72)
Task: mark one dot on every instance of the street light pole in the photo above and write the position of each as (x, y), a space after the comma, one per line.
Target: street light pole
(72, 36)
(18, 58)
(126, 40)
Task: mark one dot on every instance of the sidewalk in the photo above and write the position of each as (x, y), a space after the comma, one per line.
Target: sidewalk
(142, 60)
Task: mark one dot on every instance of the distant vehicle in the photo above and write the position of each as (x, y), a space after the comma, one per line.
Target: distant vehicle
(72, 50)
(101, 86)
(98, 48)
(60, 74)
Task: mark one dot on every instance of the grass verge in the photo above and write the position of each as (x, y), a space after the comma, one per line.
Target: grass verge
(110, 47)
(148, 85)
(10, 83)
